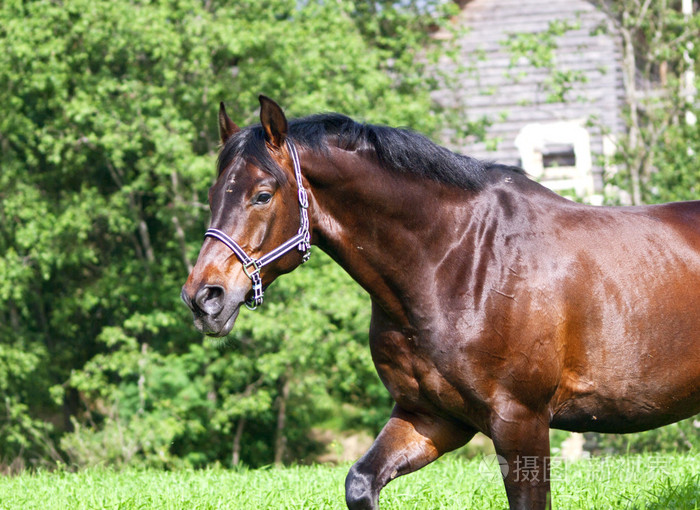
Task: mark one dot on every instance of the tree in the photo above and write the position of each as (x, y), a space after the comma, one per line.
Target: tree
(108, 144)
(660, 60)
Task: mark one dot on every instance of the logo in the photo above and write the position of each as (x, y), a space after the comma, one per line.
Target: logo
(493, 468)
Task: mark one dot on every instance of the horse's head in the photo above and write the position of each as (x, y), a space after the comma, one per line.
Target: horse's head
(258, 227)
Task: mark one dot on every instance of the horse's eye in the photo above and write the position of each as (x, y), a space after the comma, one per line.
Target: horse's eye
(263, 197)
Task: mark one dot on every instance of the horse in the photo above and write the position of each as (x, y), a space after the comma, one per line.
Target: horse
(497, 305)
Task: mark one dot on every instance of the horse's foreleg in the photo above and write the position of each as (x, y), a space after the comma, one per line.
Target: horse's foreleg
(522, 439)
(406, 443)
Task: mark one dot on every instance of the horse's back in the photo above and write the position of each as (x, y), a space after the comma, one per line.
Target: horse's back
(684, 217)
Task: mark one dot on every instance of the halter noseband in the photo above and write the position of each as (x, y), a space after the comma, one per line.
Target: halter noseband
(301, 241)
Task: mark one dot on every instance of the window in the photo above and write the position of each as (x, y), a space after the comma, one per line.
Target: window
(558, 155)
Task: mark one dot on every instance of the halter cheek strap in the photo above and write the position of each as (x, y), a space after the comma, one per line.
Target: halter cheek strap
(301, 241)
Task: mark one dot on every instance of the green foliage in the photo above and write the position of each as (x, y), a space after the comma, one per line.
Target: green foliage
(683, 436)
(539, 51)
(655, 157)
(677, 173)
(21, 376)
(108, 142)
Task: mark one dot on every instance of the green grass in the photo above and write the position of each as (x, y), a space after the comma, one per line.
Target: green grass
(632, 482)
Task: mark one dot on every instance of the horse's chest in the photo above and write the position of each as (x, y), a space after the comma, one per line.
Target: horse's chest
(395, 359)
(411, 375)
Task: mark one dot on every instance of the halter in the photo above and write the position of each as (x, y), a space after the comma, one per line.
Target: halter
(301, 241)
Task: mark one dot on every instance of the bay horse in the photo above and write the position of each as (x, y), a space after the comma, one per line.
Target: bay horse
(497, 305)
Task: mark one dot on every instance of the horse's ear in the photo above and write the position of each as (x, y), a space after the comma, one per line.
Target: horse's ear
(226, 126)
(273, 121)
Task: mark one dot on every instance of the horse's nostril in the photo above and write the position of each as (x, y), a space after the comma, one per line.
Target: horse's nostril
(183, 295)
(210, 299)
(186, 298)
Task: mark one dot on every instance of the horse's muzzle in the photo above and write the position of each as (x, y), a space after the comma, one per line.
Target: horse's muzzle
(214, 312)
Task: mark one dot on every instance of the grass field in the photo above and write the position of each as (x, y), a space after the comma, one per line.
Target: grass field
(632, 482)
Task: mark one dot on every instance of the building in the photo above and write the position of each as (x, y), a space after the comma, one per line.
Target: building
(561, 143)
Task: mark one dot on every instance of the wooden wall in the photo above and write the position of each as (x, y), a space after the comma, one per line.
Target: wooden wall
(513, 96)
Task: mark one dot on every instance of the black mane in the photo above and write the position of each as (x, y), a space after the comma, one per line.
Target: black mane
(399, 150)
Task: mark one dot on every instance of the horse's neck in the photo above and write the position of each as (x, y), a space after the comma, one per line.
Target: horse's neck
(383, 228)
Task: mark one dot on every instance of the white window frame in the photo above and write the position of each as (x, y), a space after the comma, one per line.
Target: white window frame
(532, 141)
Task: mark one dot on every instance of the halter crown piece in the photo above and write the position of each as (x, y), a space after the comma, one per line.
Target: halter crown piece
(301, 241)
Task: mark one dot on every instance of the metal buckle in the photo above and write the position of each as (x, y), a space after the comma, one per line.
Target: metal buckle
(251, 304)
(257, 298)
(250, 274)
